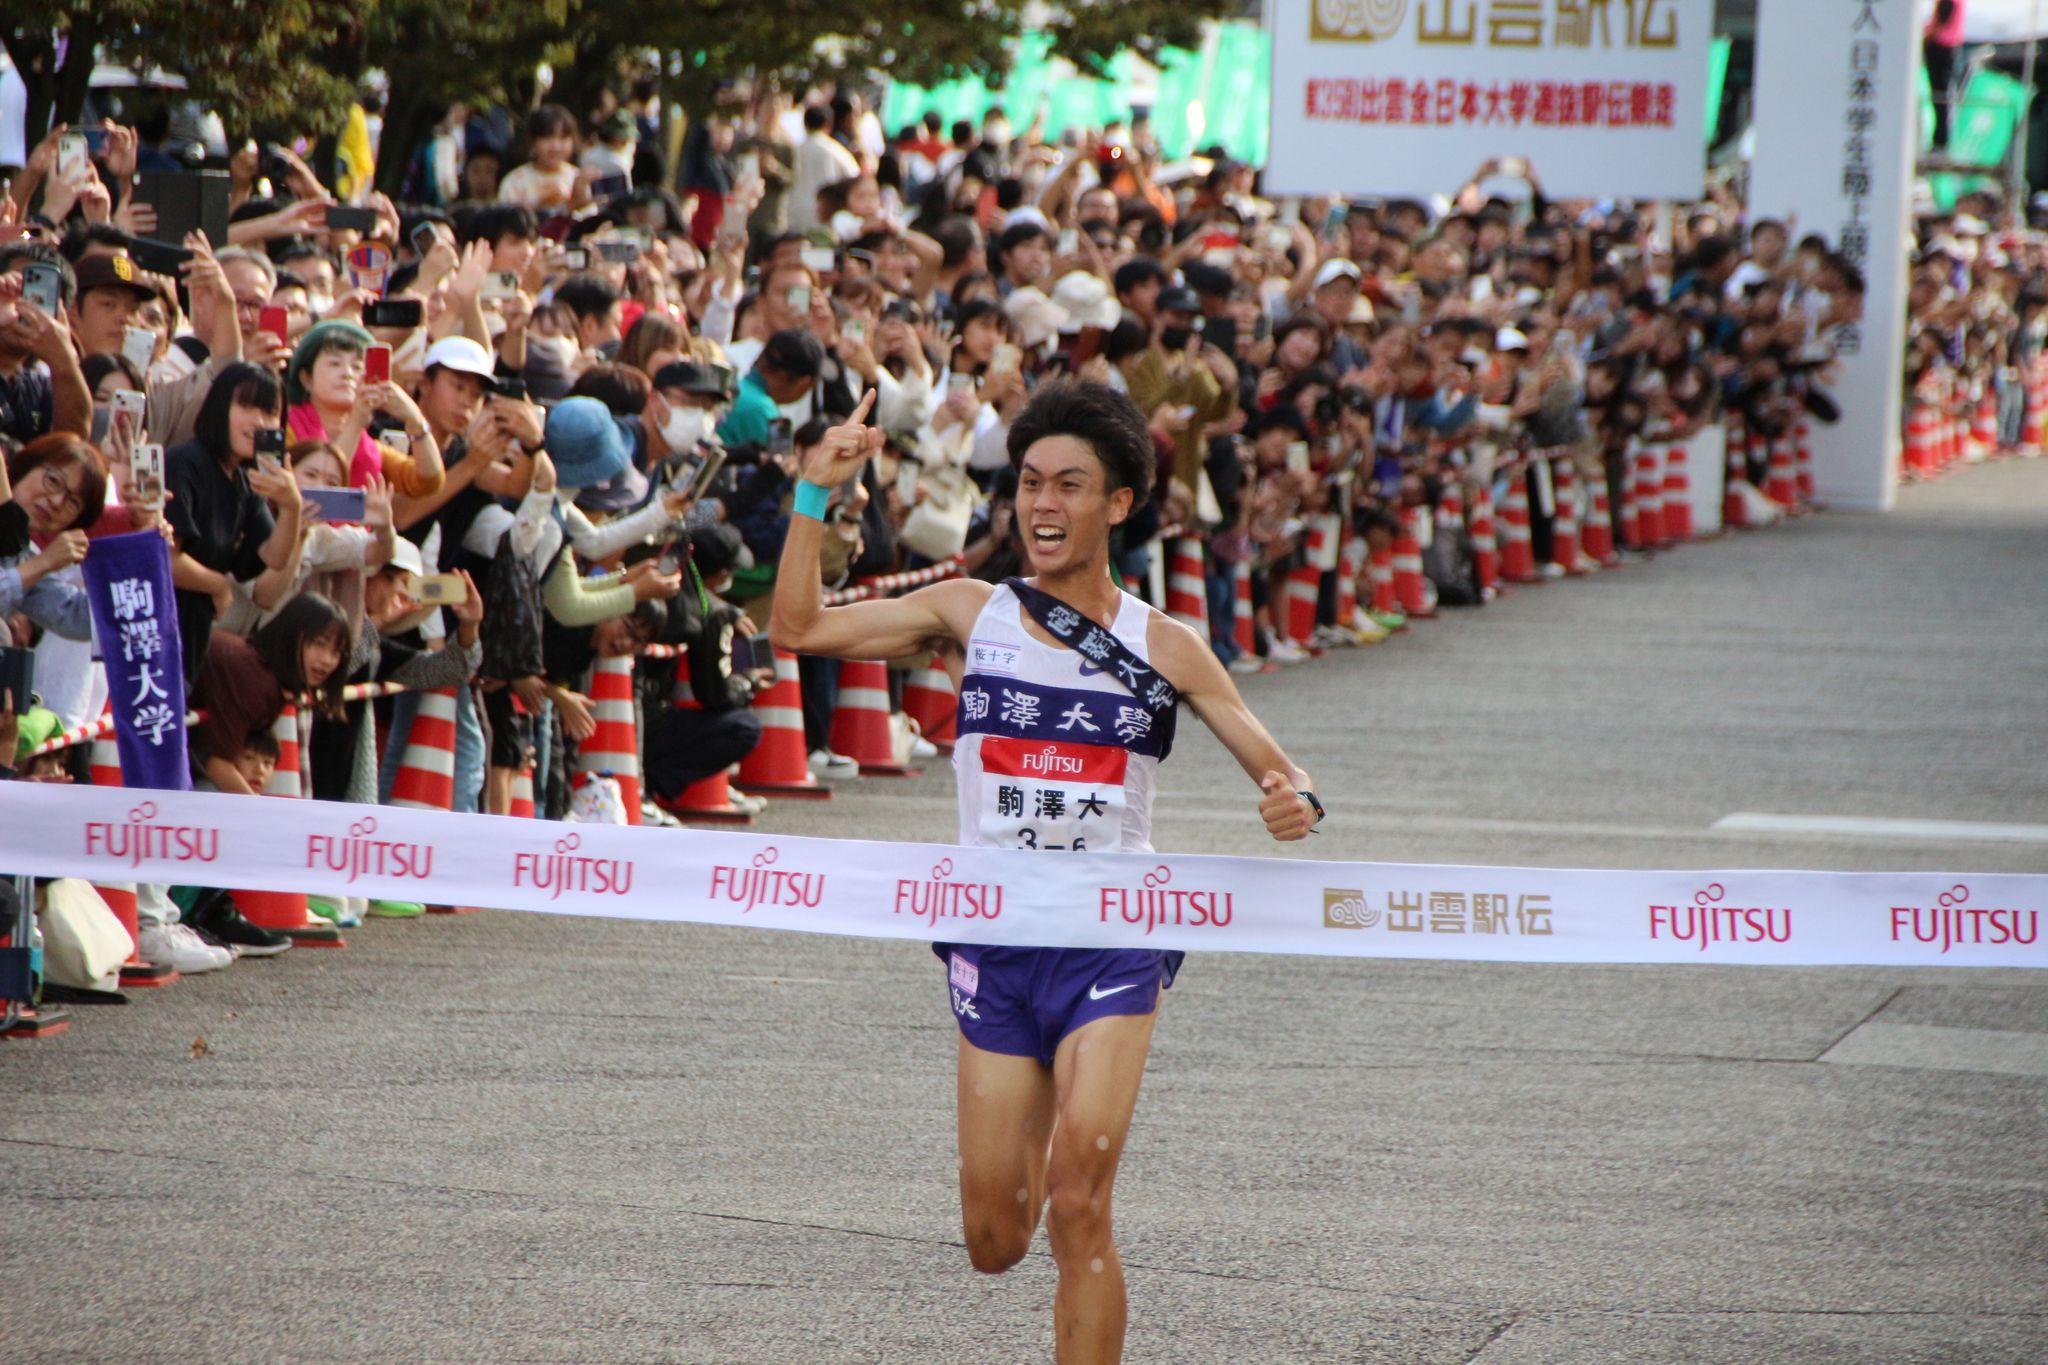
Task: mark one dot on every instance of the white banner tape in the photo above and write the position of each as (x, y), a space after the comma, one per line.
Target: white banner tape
(985, 895)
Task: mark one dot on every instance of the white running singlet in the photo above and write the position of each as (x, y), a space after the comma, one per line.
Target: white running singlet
(1053, 752)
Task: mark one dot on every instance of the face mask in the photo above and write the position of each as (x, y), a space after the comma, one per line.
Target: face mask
(684, 428)
(318, 304)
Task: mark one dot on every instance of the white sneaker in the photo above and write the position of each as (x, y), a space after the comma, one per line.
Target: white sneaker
(651, 814)
(1286, 652)
(825, 763)
(747, 803)
(920, 747)
(1247, 663)
(180, 949)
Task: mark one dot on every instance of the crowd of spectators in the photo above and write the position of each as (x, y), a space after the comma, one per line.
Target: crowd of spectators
(571, 389)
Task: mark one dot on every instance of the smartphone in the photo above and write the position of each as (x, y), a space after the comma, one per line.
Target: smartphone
(276, 321)
(138, 347)
(1278, 238)
(575, 258)
(341, 218)
(407, 313)
(71, 154)
(707, 470)
(146, 469)
(377, 365)
(423, 237)
(610, 186)
(779, 437)
(43, 285)
(1222, 334)
(438, 589)
(1070, 242)
(270, 441)
(509, 386)
(764, 652)
(18, 678)
(1297, 457)
(819, 259)
(499, 284)
(159, 258)
(341, 506)
(854, 330)
(959, 383)
(1006, 358)
(396, 439)
(617, 253)
(131, 402)
(797, 298)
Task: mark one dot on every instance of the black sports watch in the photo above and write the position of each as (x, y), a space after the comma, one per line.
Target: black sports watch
(1310, 797)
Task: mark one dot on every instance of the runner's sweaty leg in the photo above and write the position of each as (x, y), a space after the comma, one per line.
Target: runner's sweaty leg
(1096, 1074)
(1006, 1112)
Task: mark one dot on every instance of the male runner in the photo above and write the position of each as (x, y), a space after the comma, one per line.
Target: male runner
(1053, 1040)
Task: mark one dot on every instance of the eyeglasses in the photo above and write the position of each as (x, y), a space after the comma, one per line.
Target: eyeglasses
(70, 501)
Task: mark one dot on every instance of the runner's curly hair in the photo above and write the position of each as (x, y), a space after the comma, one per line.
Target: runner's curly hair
(1108, 422)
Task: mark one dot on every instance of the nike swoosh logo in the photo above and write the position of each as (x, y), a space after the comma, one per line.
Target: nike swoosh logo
(1097, 993)
(1091, 671)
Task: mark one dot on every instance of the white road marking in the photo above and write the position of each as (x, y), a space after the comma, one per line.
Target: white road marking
(1875, 827)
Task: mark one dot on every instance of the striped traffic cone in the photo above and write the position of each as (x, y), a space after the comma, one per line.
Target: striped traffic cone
(1598, 539)
(861, 726)
(1298, 618)
(1485, 547)
(1411, 587)
(522, 794)
(1380, 573)
(614, 746)
(1649, 486)
(2034, 426)
(120, 896)
(1919, 449)
(1243, 629)
(779, 764)
(1564, 524)
(285, 912)
(1187, 596)
(1350, 563)
(929, 700)
(1734, 511)
(1983, 432)
(1781, 480)
(708, 799)
(425, 779)
(1677, 507)
(1518, 553)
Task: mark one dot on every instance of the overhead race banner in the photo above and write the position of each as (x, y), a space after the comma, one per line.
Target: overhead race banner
(1604, 98)
(981, 895)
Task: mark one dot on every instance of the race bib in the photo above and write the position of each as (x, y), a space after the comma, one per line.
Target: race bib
(1051, 794)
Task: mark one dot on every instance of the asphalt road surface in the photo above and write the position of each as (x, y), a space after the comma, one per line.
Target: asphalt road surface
(510, 1137)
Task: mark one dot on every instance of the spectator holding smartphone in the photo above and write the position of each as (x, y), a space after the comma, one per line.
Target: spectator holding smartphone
(332, 402)
(50, 491)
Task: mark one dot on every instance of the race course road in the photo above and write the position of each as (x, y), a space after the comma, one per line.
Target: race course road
(507, 1137)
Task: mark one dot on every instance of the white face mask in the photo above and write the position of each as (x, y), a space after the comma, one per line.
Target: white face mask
(684, 428)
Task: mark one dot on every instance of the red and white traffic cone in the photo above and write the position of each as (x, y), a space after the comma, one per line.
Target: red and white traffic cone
(1380, 573)
(522, 807)
(931, 704)
(708, 799)
(1518, 552)
(1243, 628)
(1299, 616)
(425, 779)
(779, 764)
(1734, 510)
(1919, 448)
(1564, 523)
(861, 728)
(1187, 595)
(1649, 485)
(1350, 562)
(614, 746)
(1781, 481)
(285, 912)
(120, 896)
(1485, 547)
(1984, 431)
(2034, 426)
(1411, 586)
(1677, 506)
(1598, 538)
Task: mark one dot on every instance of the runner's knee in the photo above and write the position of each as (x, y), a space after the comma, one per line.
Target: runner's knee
(995, 1242)
(1077, 1212)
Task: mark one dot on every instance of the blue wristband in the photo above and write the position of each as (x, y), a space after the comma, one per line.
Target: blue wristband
(811, 499)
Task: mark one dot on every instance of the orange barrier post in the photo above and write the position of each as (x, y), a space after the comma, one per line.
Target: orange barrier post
(1781, 482)
(1518, 553)
(1411, 588)
(522, 794)
(1187, 596)
(779, 764)
(860, 723)
(2034, 428)
(1243, 629)
(1485, 548)
(614, 746)
(1649, 486)
(1598, 540)
(120, 896)
(1734, 511)
(285, 912)
(425, 779)
(928, 698)
(1350, 563)
(1677, 505)
(1919, 449)
(1984, 432)
(1564, 524)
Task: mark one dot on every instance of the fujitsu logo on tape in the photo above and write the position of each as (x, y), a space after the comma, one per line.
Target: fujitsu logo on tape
(764, 883)
(1160, 904)
(565, 870)
(1952, 920)
(943, 898)
(362, 854)
(1707, 921)
(140, 838)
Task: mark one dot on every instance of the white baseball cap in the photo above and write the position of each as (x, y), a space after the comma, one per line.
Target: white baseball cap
(459, 353)
(1336, 268)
